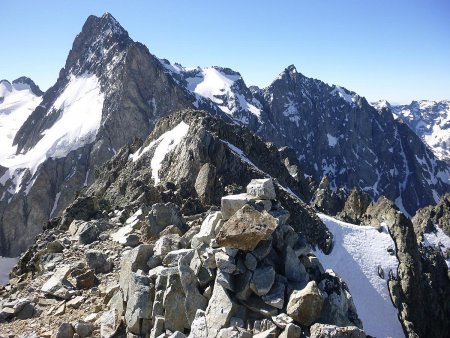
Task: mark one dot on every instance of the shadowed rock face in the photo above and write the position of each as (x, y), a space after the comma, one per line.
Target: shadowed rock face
(427, 218)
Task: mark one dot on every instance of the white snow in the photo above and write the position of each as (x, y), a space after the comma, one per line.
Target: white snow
(332, 140)
(437, 239)
(163, 145)
(18, 104)
(346, 95)
(79, 108)
(357, 252)
(6, 266)
(55, 204)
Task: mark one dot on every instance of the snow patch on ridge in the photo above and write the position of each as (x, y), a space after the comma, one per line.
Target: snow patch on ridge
(162, 146)
(357, 253)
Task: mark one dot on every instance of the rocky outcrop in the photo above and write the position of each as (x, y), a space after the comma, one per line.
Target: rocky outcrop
(326, 200)
(355, 206)
(427, 218)
(421, 277)
(195, 287)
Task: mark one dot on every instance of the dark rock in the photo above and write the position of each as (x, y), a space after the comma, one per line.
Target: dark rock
(355, 206)
(98, 261)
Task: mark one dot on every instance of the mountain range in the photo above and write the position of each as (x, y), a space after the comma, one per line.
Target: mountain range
(128, 150)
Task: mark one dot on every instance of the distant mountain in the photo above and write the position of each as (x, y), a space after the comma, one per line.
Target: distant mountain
(113, 90)
(335, 133)
(17, 101)
(430, 120)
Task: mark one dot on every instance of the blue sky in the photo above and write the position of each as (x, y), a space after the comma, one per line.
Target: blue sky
(383, 49)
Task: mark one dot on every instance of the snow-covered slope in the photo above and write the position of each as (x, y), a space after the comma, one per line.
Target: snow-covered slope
(79, 113)
(224, 87)
(17, 102)
(430, 120)
(358, 253)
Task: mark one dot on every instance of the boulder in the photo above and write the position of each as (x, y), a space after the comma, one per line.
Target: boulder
(84, 329)
(98, 261)
(205, 182)
(219, 311)
(293, 268)
(173, 302)
(291, 331)
(109, 324)
(262, 280)
(275, 297)
(208, 230)
(332, 331)
(232, 203)
(162, 215)
(355, 206)
(55, 247)
(263, 189)
(88, 233)
(199, 327)
(166, 244)
(305, 306)
(246, 228)
(139, 305)
(55, 285)
(65, 330)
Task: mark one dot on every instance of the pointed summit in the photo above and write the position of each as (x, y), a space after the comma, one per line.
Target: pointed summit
(291, 69)
(101, 39)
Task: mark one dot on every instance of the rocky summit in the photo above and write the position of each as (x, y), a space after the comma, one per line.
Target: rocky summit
(197, 276)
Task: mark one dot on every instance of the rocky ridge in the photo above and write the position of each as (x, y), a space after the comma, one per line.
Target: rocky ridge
(181, 282)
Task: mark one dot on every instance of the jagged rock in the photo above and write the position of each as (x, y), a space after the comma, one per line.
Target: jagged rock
(85, 279)
(208, 230)
(242, 285)
(291, 331)
(158, 327)
(271, 333)
(98, 261)
(138, 313)
(326, 331)
(427, 218)
(109, 324)
(262, 189)
(232, 203)
(224, 262)
(326, 200)
(293, 268)
(382, 211)
(177, 334)
(84, 329)
(250, 261)
(65, 330)
(199, 328)
(172, 258)
(75, 302)
(131, 240)
(55, 247)
(262, 280)
(55, 285)
(204, 183)
(28, 311)
(219, 311)
(355, 206)
(282, 320)
(305, 305)
(166, 244)
(246, 228)
(275, 297)
(225, 279)
(255, 304)
(193, 299)
(263, 249)
(162, 215)
(88, 233)
(173, 302)
(233, 332)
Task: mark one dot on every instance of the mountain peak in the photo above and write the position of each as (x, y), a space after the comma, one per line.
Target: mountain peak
(291, 69)
(100, 38)
(26, 82)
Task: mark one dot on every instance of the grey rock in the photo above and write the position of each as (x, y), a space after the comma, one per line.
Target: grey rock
(55, 285)
(225, 279)
(224, 262)
(326, 330)
(177, 334)
(219, 311)
(262, 188)
(242, 285)
(205, 182)
(250, 261)
(131, 239)
(98, 261)
(139, 303)
(162, 215)
(293, 268)
(172, 258)
(193, 299)
(282, 320)
(158, 327)
(55, 247)
(255, 304)
(355, 206)
(173, 302)
(233, 332)
(275, 297)
(291, 331)
(232, 203)
(262, 280)
(208, 230)
(84, 329)
(262, 249)
(88, 233)
(166, 244)
(65, 330)
(109, 324)
(199, 328)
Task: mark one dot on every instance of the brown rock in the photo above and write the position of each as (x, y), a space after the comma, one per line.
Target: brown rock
(306, 305)
(246, 228)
